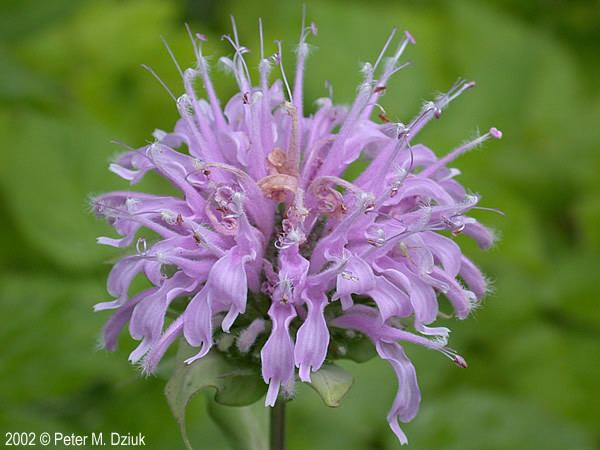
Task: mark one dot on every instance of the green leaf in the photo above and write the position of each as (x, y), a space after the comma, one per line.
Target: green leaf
(473, 419)
(244, 427)
(27, 17)
(21, 84)
(235, 382)
(331, 382)
(55, 164)
(48, 305)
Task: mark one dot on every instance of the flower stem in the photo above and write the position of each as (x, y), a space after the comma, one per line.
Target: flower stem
(278, 426)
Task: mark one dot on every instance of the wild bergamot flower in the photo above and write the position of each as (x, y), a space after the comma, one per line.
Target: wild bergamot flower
(270, 246)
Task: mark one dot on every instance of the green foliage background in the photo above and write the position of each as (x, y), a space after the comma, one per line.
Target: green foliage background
(70, 82)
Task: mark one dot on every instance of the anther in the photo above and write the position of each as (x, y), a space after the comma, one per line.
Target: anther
(198, 239)
(458, 229)
(495, 133)
(460, 362)
(383, 117)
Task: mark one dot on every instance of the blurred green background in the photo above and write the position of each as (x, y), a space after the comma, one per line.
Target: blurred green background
(70, 81)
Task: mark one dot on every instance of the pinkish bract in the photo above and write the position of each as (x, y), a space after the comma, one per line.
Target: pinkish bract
(267, 241)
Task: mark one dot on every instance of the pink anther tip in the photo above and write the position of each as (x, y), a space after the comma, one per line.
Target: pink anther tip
(496, 133)
(410, 37)
(460, 362)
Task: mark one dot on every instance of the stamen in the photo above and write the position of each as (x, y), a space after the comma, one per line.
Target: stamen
(460, 89)
(186, 110)
(264, 68)
(300, 61)
(261, 38)
(234, 28)
(434, 109)
(385, 47)
(197, 53)
(455, 226)
(244, 81)
(325, 179)
(162, 83)
(430, 170)
(454, 357)
(382, 114)
(496, 210)
(279, 59)
(125, 145)
(390, 68)
(400, 67)
(201, 118)
(496, 133)
(202, 67)
(329, 88)
(172, 55)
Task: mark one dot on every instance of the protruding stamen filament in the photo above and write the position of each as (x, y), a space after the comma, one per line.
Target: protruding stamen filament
(329, 88)
(302, 53)
(279, 59)
(454, 357)
(162, 83)
(385, 47)
(172, 55)
(434, 109)
(202, 67)
(430, 170)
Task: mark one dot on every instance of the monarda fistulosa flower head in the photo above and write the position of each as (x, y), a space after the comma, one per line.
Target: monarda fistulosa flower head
(269, 246)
